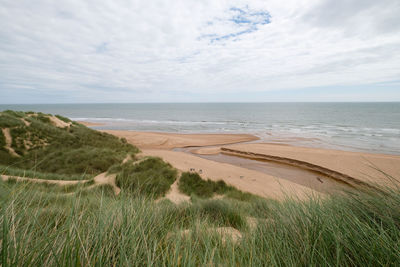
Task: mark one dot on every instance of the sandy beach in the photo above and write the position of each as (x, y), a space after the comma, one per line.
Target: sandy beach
(268, 170)
(155, 140)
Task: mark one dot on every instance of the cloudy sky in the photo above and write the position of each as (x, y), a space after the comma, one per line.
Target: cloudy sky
(70, 51)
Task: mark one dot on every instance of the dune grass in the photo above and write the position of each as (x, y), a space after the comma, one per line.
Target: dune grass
(46, 187)
(66, 151)
(10, 119)
(64, 119)
(31, 173)
(192, 184)
(2, 140)
(95, 228)
(151, 177)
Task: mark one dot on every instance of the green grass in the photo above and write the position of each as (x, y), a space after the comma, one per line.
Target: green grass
(41, 227)
(7, 120)
(66, 151)
(46, 187)
(2, 140)
(193, 184)
(151, 177)
(31, 173)
(64, 119)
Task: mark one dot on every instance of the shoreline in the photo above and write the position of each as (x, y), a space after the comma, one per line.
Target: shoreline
(280, 138)
(332, 168)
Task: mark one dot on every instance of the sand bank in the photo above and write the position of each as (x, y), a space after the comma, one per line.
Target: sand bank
(365, 167)
(152, 140)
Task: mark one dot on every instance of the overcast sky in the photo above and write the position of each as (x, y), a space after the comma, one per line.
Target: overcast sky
(70, 51)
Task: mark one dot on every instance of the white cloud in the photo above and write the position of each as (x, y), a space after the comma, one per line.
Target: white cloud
(141, 50)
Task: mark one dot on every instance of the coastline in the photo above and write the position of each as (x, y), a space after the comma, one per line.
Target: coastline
(333, 169)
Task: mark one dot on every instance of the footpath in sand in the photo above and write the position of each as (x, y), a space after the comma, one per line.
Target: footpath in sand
(101, 179)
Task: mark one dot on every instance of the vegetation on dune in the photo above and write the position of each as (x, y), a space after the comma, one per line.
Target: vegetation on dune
(10, 119)
(2, 141)
(93, 227)
(192, 184)
(64, 119)
(6, 170)
(151, 177)
(72, 150)
(46, 187)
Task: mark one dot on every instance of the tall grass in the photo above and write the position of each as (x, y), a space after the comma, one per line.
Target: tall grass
(6, 170)
(45, 228)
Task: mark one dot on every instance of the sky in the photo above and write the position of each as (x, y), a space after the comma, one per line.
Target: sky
(92, 51)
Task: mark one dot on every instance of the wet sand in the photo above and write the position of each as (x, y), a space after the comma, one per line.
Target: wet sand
(268, 170)
(154, 140)
(373, 169)
(312, 179)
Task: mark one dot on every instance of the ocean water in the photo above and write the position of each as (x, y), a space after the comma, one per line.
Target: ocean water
(372, 127)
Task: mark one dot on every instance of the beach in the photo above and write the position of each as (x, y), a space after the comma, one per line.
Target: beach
(267, 170)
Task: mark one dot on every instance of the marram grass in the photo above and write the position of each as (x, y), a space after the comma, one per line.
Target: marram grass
(45, 228)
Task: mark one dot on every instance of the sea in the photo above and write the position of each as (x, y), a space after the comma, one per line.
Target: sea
(365, 127)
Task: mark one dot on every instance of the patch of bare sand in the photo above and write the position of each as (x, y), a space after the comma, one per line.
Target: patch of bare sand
(27, 123)
(104, 178)
(244, 179)
(174, 195)
(59, 123)
(366, 167)
(7, 135)
(127, 158)
(152, 140)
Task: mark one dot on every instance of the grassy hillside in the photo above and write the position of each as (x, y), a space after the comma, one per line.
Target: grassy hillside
(68, 149)
(84, 223)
